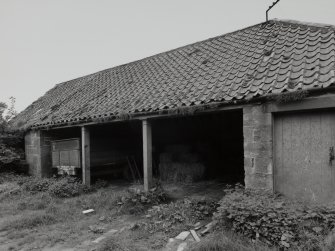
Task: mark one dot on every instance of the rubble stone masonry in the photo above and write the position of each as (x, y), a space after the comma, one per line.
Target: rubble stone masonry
(38, 153)
(257, 133)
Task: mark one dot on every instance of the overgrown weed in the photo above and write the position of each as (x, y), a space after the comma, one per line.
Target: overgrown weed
(261, 215)
(136, 201)
(224, 241)
(29, 221)
(178, 216)
(134, 241)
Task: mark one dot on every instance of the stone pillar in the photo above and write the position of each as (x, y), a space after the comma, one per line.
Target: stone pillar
(147, 155)
(257, 132)
(38, 153)
(85, 154)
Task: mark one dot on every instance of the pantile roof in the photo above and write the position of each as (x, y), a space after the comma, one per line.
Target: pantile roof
(267, 58)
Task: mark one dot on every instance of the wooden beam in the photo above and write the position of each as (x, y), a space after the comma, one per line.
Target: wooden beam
(148, 116)
(320, 102)
(85, 155)
(147, 155)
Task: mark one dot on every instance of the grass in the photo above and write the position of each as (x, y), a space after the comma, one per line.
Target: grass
(218, 241)
(35, 219)
(137, 240)
(224, 241)
(29, 221)
(38, 219)
(38, 213)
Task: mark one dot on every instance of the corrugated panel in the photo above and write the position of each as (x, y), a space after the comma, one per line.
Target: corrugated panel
(66, 153)
(74, 158)
(55, 159)
(64, 158)
(69, 144)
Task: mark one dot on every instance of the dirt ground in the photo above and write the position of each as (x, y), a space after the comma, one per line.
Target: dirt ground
(209, 189)
(39, 222)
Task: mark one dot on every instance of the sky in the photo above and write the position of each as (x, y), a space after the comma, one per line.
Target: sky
(45, 42)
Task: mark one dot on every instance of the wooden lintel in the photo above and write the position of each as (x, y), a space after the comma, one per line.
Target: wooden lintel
(85, 154)
(147, 154)
(149, 116)
(320, 102)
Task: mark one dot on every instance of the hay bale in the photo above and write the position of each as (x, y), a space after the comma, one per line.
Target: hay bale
(165, 158)
(178, 149)
(181, 172)
(166, 171)
(188, 157)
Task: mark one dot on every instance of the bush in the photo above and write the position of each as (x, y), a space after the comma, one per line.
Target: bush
(67, 187)
(178, 216)
(189, 211)
(11, 151)
(64, 187)
(100, 184)
(8, 155)
(137, 201)
(226, 241)
(11, 142)
(270, 218)
(12, 177)
(10, 158)
(35, 185)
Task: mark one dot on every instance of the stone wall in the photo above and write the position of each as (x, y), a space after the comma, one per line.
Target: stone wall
(257, 132)
(38, 153)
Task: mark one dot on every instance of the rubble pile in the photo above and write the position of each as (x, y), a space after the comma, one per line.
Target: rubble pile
(137, 201)
(179, 215)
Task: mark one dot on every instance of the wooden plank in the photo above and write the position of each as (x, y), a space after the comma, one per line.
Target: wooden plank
(147, 154)
(319, 134)
(326, 168)
(302, 168)
(331, 176)
(278, 152)
(287, 154)
(85, 153)
(302, 156)
(88, 211)
(195, 236)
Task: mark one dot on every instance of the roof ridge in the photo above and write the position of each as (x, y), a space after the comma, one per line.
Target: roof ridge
(164, 52)
(180, 77)
(305, 24)
(58, 84)
(275, 20)
(194, 43)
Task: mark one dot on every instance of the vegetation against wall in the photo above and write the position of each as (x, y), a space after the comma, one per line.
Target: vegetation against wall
(288, 97)
(136, 201)
(263, 216)
(11, 151)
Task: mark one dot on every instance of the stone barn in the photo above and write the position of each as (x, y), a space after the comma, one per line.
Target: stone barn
(255, 106)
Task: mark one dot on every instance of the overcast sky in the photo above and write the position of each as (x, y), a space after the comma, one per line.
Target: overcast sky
(45, 42)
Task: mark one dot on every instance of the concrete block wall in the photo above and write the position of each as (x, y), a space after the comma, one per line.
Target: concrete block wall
(257, 133)
(38, 153)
